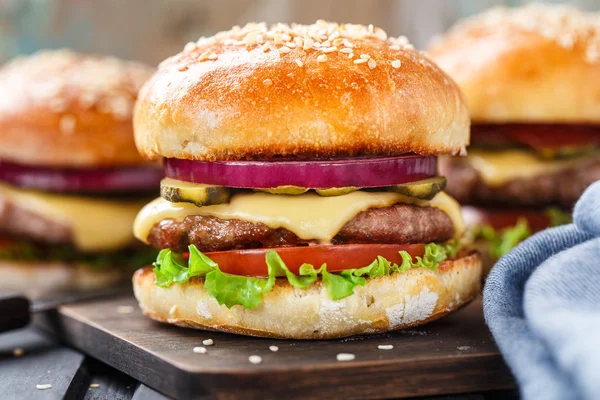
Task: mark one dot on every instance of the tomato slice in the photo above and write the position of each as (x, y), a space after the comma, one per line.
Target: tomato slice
(505, 218)
(536, 136)
(251, 262)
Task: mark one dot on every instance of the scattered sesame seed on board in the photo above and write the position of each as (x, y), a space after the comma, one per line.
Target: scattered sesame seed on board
(124, 309)
(208, 342)
(199, 350)
(345, 357)
(43, 386)
(274, 349)
(385, 346)
(95, 385)
(18, 352)
(254, 359)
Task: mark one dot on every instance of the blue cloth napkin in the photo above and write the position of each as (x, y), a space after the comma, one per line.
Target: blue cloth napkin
(542, 304)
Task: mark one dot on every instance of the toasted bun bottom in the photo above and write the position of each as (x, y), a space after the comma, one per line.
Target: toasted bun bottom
(39, 279)
(384, 304)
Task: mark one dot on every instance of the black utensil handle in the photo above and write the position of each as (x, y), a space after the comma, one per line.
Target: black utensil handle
(14, 312)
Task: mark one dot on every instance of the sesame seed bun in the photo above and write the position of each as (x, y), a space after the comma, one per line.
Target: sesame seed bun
(539, 63)
(384, 304)
(322, 90)
(59, 108)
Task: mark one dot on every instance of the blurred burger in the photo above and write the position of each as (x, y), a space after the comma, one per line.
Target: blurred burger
(69, 172)
(301, 197)
(532, 80)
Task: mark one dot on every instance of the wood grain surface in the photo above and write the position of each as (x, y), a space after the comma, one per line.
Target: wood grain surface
(453, 355)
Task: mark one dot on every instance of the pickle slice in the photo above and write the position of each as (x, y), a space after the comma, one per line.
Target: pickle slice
(336, 191)
(177, 191)
(291, 190)
(425, 189)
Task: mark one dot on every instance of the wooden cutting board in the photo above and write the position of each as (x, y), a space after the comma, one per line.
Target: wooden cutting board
(453, 355)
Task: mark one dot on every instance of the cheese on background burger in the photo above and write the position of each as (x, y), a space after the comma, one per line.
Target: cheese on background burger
(531, 77)
(69, 171)
(301, 197)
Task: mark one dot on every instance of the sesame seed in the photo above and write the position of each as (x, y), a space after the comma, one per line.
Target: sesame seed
(173, 309)
(299, 62)
(199, 350)
(18, 352)
(351, 55)
(213, 56)
(299, 42)
(278, 39)
(385, 346)
(284, 49)
(43, 386)
(346, 50)
(124, 309)
(365, 56)
(204, 56)
(182, 68)
(409, 46)
(286, 37)
(266, 47)
(347, 43)
(208, 342)
(255, 359)
(274, 349)
(95, 385)
(396, 63)
(67, 124)
(322, 58)
(316, 45)
(360, 61)
(308, 43)
(395, 47)
(338, 42)
(329, 49)
(372, 64)
(345, 357)
(267, 82)
(291, 45)
(189, 47)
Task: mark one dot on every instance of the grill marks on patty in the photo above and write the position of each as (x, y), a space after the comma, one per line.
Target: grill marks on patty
(561, 188)
(401, 223)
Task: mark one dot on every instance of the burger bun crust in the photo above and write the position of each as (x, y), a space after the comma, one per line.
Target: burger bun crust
(384, 304)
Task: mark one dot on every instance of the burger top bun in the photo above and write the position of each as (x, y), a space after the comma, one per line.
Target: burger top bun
(321, 90)
(539, 63)
(62, 109)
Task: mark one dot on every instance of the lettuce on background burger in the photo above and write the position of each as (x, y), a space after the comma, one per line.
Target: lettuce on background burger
(301, 197)
(69, 172)
(533, 90)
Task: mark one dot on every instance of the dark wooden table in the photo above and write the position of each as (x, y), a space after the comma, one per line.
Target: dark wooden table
(76, 376)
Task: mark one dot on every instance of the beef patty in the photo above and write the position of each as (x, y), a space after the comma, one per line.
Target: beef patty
(562, 188)
(401, 223)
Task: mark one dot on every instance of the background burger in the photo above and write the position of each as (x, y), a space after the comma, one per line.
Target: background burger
(302, 198)
(69, 172)
(532, 81)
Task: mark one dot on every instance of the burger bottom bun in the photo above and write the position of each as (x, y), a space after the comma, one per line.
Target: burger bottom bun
(43, 278)
(384, 304)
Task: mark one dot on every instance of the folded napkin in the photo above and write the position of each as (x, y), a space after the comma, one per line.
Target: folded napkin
(542, 304)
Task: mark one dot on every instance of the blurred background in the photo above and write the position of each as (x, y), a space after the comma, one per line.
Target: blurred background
(151, 30)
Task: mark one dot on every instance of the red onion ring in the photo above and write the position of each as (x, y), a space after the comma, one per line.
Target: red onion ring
(81, 180)
(315, 174)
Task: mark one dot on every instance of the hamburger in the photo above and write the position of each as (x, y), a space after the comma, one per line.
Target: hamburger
(70, 174)
(301, 197)
(531, 79)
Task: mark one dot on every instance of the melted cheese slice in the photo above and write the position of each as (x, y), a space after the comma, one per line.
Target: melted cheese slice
(499, 167)
(96, 224)
(309, 216)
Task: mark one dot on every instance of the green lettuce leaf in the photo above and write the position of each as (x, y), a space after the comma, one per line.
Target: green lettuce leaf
(232, 290)
(558, 217)
(503, 241)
